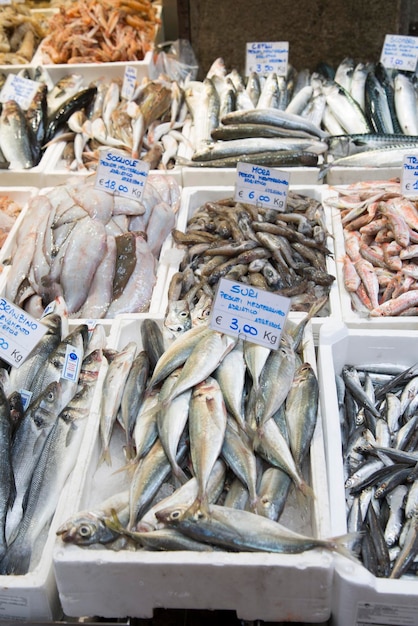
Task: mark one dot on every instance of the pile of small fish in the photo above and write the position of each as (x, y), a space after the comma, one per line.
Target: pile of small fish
(229, 424)
(9, 210)
(100, 31)
(20, 34)
(114, 121)
(87, 117)
(378, 416)
(97, 250)
(371, 115)
(40, 443)
(282, 252)
(380, 260)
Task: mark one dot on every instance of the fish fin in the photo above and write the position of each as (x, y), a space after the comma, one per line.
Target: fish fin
(341, 543)
(105, 457)
(179, 475)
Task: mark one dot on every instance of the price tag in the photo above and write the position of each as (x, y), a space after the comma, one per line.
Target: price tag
(129, 83)
(120, 174)
(400, 52)
(409, 178)
(257, 315)
(20, 89)
(19, 333)
(263, 186)
(265, 57)
(72, 364)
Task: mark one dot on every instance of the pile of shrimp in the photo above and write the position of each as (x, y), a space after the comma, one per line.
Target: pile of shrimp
(100, 31)
(20, 34)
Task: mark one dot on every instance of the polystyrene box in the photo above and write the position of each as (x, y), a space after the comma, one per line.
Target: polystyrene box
(8, 249)
(359, 597)
(351, 317)
(195, 197)
(202, 176)
(343, 175)
(264, 586)
(33, 597)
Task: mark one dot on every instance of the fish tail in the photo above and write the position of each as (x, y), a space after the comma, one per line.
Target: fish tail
(179, 474)
(105, 457)
(16, 560)
(306, 489)
(341, 545)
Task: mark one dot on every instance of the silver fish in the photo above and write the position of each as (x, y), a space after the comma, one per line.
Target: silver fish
(207, 425)
(244, 531)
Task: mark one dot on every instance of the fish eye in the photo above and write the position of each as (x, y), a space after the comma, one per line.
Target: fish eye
(84, 530)
(175, 515)
(184, 314)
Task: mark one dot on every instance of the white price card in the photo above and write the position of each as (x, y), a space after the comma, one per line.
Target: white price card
(264, 57)
(400, 52)
(129, 82)
(409, 177)
(121, 174)
(20, 89)
(72, 363)
(263, 186)
(19, 333)
(249, 312)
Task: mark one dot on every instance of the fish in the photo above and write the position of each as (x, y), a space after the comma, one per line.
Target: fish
(55, 463)
(89, 527)
(244, 531)
(207, 426)
(7, 482)
(17, 141)
(115, 379)
(301, 410)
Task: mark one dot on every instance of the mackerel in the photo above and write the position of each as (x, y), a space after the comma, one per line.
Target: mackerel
(275, 117)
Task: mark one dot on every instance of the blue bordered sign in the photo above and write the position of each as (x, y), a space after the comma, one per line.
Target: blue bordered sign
(121, 174)
(19, 333)
(245, 311)
(400, 52)
(265, 57)
(266, 187)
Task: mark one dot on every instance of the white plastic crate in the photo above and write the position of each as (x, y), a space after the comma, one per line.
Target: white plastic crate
(194, 197)
(7, 252)
(343, 175)
(33, 597)
(358, 597)
(272, 587)
(205, 176)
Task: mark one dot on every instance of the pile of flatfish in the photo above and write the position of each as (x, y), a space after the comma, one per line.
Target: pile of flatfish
(282, 252)
(378, 416)
(380, 259)
(224, 427)
(96, 250)
(40, 442)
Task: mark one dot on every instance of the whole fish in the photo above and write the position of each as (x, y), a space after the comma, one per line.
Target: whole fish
(172, 421)
(302, 411)
(6, 485)
(207, 425)
(113, 386)
(244, 531)
(17, 140)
